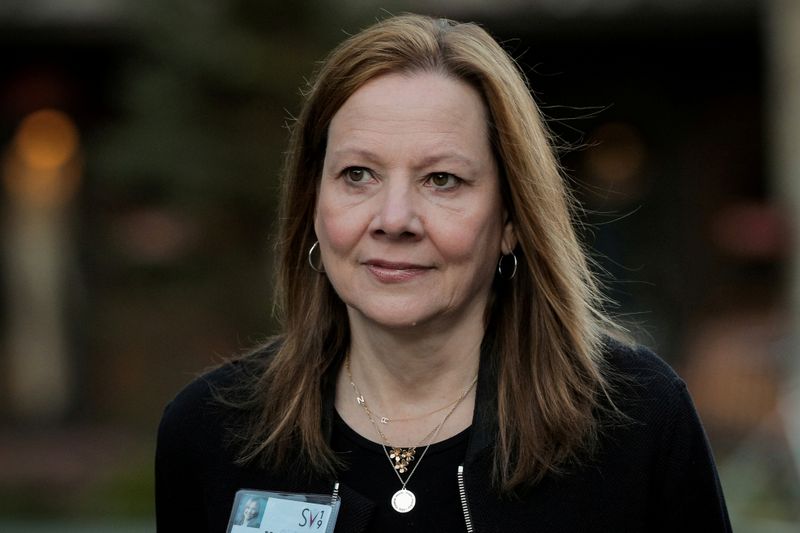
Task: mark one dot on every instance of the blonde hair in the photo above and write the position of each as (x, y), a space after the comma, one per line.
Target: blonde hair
(543, 328)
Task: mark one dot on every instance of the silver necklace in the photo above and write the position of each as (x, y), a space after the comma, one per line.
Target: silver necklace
(403, 500)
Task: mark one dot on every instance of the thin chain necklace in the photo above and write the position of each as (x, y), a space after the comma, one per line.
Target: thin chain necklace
(385, 420)
(404, 500)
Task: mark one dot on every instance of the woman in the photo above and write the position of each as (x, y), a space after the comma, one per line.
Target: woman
(443, 362)
(250, 516)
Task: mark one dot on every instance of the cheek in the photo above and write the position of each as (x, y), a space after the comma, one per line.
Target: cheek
(471, 237)
(459, 243)
(337, 229)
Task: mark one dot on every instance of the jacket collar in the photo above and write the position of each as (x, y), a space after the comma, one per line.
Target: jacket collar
(484, 418)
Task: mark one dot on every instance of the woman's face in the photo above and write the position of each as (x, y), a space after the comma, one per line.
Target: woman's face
(409, 214)
(250, 510)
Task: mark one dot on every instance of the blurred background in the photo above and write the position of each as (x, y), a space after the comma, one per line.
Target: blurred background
(140, 149)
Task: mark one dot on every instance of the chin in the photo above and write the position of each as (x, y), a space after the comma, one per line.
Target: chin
(394, 317)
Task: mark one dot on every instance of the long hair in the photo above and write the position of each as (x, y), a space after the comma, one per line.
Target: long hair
(545, 325)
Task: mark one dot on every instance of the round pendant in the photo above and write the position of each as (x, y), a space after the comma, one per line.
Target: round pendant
(403, 501)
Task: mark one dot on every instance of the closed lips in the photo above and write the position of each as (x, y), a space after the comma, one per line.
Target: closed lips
(388, 265)
(390, 272)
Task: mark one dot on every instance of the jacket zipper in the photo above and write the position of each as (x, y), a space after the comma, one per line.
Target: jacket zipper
(462, 491)
(335, 495)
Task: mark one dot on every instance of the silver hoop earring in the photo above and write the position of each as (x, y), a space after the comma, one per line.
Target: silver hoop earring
(507, 277)
(315, 268)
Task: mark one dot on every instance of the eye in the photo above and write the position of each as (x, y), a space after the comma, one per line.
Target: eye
(443, 180)
(356, 174)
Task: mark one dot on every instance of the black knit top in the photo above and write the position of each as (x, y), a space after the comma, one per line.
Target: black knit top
(654, 473)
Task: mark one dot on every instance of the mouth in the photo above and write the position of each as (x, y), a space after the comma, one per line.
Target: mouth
(395, 272)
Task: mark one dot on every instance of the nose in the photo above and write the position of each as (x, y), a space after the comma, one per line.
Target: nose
(397, 214)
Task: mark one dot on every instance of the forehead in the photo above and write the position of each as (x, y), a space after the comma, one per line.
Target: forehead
(420, 102)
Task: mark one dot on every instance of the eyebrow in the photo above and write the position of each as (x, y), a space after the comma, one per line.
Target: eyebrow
(425, 162)
(357, 152)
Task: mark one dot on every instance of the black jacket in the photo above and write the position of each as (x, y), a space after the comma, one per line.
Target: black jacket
(652, 473)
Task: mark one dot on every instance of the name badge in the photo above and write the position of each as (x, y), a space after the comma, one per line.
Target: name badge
(283, 512)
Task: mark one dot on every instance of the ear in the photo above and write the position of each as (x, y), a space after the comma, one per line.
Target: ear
(508, 240)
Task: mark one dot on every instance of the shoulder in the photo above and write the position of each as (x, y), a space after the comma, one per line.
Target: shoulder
(644, 388)
(635, 359)
(202, 407)
(663, 435)
(630, 365)
(198, 397)
(652, 420)
(659, 422)
(195, 456)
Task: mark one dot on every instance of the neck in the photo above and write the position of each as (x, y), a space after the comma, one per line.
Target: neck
(413, 366)
(411, 375)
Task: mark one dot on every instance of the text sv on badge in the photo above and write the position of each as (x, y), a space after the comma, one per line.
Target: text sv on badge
(309, 518)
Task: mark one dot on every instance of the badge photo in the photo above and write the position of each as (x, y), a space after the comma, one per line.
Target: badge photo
(281, 512)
